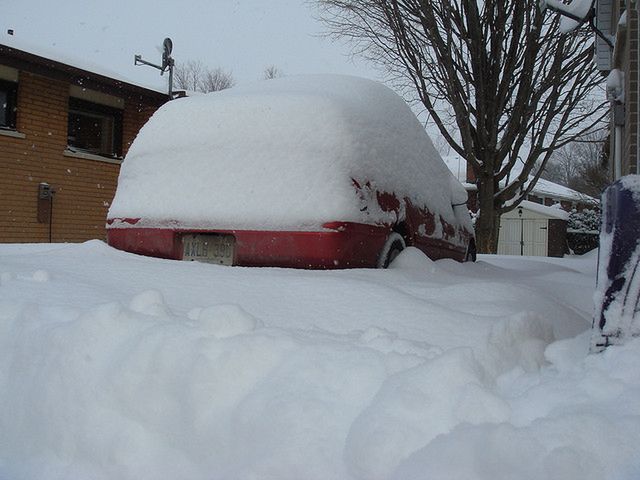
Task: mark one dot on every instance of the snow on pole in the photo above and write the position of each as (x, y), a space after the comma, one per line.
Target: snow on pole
(617, 296)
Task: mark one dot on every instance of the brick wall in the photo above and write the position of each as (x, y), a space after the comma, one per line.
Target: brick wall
(84, 188)
(631, 92)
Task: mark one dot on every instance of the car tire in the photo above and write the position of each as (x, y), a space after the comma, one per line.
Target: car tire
(392, 248)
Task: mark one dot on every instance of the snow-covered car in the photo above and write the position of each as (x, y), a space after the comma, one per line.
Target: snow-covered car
(315, 171)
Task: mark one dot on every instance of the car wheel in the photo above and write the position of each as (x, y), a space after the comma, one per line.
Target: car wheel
(392, 248)
(471, 252)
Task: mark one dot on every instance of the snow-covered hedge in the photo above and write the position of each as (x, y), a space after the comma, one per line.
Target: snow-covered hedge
(582, 230)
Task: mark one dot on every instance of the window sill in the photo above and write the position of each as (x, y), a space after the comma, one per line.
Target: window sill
(91, 156)
(11, 133)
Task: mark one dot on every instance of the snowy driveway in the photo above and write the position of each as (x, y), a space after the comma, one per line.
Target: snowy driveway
(118, 366)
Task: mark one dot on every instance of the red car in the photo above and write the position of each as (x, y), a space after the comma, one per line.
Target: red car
(303, 172)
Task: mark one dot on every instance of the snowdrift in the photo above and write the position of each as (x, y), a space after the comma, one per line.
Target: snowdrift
(115, 366)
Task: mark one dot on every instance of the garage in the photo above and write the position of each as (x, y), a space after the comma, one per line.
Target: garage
(533, 230)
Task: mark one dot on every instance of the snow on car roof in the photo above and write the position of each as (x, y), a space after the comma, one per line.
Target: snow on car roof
(282, 153)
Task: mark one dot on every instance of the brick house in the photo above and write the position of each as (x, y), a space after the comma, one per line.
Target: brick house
(618, 20)
(66, 129)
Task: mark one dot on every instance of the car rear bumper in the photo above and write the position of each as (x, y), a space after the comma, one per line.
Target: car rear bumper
(337, 245)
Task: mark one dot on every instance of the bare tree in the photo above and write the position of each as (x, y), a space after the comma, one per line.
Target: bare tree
(193, 75)
(563, 167)
(188, 75)
(594, 178)
(215, 80)
(441, 144)
(502, 85)
(271, 72)
(594, 175)
(581, 165)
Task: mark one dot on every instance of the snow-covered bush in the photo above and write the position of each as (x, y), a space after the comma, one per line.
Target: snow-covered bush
(585, 221)
(582, 230)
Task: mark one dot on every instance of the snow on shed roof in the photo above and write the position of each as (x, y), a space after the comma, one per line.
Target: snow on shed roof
(552, 211)
(282, 153)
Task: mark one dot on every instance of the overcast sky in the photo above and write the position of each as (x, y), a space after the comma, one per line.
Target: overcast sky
(241, 36)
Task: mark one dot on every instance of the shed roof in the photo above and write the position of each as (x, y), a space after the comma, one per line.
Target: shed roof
(551, 212)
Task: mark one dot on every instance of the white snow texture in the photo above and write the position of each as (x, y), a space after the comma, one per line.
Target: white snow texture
(119, 366)
(282, 154)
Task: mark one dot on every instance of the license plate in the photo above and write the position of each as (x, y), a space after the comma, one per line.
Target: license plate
(210, 248)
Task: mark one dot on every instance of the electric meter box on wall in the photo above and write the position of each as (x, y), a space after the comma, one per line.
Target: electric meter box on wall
(308, 171)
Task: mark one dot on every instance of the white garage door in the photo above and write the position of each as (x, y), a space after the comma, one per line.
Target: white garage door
(532, 233)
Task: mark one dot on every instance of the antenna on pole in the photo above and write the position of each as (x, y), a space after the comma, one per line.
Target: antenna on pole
(167, 62)
(589, 18)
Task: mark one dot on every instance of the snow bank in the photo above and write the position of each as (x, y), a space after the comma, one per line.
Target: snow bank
(282, 154)
(577, 419)
(119, 366)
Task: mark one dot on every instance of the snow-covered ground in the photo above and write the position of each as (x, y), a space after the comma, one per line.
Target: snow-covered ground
(114, 366)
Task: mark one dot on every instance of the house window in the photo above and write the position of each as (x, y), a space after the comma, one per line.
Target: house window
(94, 128)
(8, 104)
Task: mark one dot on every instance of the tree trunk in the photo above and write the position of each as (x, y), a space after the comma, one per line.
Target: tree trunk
(488, 221)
